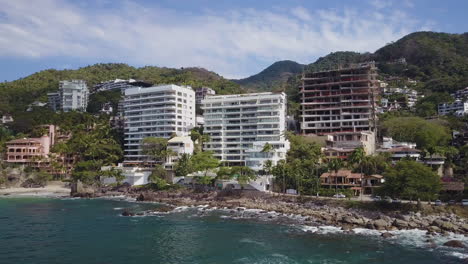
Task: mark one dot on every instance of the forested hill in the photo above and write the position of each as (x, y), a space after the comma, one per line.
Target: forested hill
(439, 61)
(15, 96)
(272, 77)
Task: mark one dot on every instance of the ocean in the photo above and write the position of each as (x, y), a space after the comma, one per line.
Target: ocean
(46, 230)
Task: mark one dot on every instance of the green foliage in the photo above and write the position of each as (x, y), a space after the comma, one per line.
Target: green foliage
(114, 173)
(336, 59)
(204, 161)
(158, 176)
(273, 77)
(411, 180)
(198, 138)
(427, 135)
(155, 148)
(88, 172)
(42, 177)
(184, 165)
(97, 100)
(224, 173)
(427, 106)
(243, 174)
(15, 96)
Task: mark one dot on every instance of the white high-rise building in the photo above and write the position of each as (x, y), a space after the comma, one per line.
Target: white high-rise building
(159, 111)
(72, 96)
(458, 108)
(240, 125)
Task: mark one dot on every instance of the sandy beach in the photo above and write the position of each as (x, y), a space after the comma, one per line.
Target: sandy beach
(53, 189)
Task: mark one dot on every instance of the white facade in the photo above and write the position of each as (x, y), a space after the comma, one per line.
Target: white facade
(256, 157)
(73, 95)
(202, 93)
(180, 145)
(458, 108)
(7, 119)
(133, 175)
(239, 125)
(159, 111)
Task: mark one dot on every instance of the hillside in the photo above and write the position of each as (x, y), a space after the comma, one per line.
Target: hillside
(16, 95)
(271, 78)
(439, 60)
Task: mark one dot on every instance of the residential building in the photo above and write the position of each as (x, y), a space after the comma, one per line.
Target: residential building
(7, 118)
(35, 104)
(461, 94)
(240, 126)
(119, 84)
(458, 108)
(72, 96)
(341, 103)
(202, 93)
(159, 111)
(408, 97)
(357, 182)
(341, 145)
(179, 145)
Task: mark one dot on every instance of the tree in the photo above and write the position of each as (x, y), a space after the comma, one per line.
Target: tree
(224, 173)
(204, 161)
(411, 180)
(88, 172)
(155, 148)
(267, 148)
(279, 172)
(114, 173)
(334, 165)
(184, 165)
(243, 174)
(267, 167)
(158, 176)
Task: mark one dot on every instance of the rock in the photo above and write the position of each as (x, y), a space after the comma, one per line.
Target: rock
(352, 220)
(455, 244)
(434, 229)
(464, 227)
(380, 224)
(400, 223)
(127, 213)
(387, 235)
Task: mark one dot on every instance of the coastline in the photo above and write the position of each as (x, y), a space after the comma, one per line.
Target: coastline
(316, 212)
(54, 189)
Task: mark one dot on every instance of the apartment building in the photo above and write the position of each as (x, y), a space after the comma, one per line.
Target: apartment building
(72, 96)
(159, 111)
(341, 103)
(202, 93)
(458, 108)
(119, 84)
(240, 125)
(461, 94)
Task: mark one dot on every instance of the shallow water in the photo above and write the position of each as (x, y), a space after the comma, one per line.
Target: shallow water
(39, 230)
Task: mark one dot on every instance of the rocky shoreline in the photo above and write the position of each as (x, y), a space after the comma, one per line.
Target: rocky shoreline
(316, 211)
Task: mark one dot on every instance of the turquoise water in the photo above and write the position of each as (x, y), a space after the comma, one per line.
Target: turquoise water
(39, 230)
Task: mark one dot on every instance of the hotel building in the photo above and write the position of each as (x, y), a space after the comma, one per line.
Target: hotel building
(159, 111)
(240, 125)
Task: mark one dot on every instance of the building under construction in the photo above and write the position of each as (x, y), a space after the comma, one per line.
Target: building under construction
(341, 103)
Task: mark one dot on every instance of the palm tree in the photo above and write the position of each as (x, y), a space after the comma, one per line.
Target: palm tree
(356, 158)
(334, 164)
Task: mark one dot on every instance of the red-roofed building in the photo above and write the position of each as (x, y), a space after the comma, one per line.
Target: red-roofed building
(346, 179)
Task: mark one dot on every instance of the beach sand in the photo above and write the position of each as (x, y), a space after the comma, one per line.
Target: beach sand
(53, 189)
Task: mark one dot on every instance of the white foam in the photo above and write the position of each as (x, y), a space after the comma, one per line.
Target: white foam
(458, 255)
(367, 232)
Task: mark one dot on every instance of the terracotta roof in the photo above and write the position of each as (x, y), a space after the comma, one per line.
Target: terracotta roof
(341, 173)
(453, 186)
(24, 140)
(403, 149)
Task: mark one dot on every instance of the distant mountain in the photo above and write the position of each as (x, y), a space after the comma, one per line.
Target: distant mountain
(273, 77)
(16, 95)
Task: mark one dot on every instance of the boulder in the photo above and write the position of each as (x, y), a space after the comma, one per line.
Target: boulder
(127, 213)
(455, 244)
(387, 235)
(434, 229)
(400, 223)
(380, 224)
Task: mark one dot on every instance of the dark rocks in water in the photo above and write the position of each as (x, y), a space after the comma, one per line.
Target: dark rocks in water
(127, 213)
(455, 244)
(140, 198)
(387, 235)
(164, 209)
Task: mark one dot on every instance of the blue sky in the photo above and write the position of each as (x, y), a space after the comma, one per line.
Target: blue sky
(233, 38)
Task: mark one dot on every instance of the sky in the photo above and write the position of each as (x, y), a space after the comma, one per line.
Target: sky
(235, 38)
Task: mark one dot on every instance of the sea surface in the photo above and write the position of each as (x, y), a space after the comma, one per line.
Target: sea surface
(44, 230)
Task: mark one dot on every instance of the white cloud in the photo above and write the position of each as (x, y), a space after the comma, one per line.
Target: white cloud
(380, 4)
(235, 43)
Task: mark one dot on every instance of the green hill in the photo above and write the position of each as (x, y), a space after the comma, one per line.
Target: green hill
(16, 95)
(271, 78)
